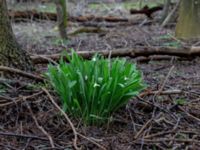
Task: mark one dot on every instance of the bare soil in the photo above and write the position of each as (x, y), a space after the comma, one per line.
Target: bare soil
(149, 122)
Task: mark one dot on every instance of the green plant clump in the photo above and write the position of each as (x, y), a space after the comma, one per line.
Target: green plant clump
(93, 89)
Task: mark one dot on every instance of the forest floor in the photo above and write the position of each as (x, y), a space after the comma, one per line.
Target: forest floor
(168, 120)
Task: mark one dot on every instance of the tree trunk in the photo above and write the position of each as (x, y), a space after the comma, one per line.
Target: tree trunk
(11, 54)
(62, 17)
(165, 10)
(189, 20)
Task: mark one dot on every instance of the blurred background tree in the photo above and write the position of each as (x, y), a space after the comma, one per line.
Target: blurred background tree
(189, 20)
(61, 8)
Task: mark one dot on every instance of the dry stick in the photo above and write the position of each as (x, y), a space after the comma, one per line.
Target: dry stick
(22, 73)
(2, 100)
(92, 141)
(142, 129)
(40, 127)
(171, 14)
(34, 14)
(158, 58)
(164, 132)
(155, 105)
(170, 139)
(190, 115)
(148, 144)
(167, 92)
(7, 82)
(20, 99)
(133, 53)
(71, 124)
(48, 59)
(66, 116)
(26, 145)
(5, 98)
(162, 87)
(169, 132)
(158, 134)
(164, 83)
(23, 136)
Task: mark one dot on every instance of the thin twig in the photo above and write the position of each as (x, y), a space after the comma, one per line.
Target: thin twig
(71, 124)
(188, 114)
(23, 136)
(157, 106)
(142, 129)
(161, 134)
(40, 127)
(170, 139)
(167, 92)
(15, 101)
(162, 87)
(22, 73)
(66, 117)
(171, 14)
(49, 59)
(5, 98)
(158, 134)
(92, 141)
(164, 83)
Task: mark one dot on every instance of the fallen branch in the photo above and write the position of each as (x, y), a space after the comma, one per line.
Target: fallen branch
(35, 15)
(87, 30)
(133, 53)
(32, 14)
(129, 22)
(22, 73)
(98, 19)
(147, 11)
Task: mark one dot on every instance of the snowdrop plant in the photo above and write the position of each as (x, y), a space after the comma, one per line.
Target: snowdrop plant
(93, 90)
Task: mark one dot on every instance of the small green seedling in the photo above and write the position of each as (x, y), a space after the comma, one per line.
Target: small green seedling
(180, 102)
(2, 89)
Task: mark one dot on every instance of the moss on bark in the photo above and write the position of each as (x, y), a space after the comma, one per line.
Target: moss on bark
(11, 54)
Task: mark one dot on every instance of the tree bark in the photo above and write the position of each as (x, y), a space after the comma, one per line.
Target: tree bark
(62, 17)
(166, 9)
(11, 54)
(189, 20)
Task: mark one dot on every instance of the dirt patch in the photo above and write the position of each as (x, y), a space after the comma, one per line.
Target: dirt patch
(152, 121)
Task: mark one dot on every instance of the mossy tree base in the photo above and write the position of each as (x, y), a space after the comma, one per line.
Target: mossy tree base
(11, 54)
